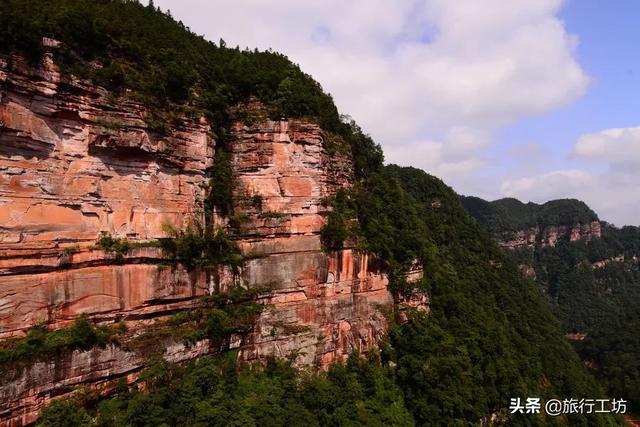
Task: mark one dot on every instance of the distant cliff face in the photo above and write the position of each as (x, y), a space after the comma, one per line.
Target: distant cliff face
(550, 235)
(77, 162)
(515, 224)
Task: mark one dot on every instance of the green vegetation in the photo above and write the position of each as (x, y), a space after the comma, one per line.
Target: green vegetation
(40, 343)
(509, 215)
(216, 391)
(600, 302)
(340, 225)
(217, 317)
(222, 314)
(70, 250)
(272, 215)
(257, 201)
(121, 44)
(335, 231)
(220, 194)
(200, 245)
(614, 350)
(119, 246)
(142, 49)
(65, 412)
(489, 335)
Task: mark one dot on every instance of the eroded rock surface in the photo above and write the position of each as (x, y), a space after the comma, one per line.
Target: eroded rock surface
(550, 235)
(76, 162)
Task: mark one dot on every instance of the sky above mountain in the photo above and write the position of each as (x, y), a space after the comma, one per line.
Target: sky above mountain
(534, 99)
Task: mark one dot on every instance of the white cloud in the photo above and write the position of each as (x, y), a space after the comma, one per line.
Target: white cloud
(552, 185)
(613, 192)
(619, 147)
(448, 72)
(434, 80)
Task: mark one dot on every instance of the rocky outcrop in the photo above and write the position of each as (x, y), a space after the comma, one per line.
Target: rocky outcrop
(75, 162)
(99, 371)
(325, 305)
(550, 235)
(620, 258)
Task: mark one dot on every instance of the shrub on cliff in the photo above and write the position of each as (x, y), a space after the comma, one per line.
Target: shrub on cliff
(123, 45)
(220, 196)
(221, 314)
(200, 245)
(40, 342)
(335, 231)
(65, 412)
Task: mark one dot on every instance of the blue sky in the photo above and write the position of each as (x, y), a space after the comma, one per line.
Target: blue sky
(608, 51)
(534, 99)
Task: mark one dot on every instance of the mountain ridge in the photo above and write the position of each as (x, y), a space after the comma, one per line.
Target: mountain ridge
(590, 274)
(287, 239)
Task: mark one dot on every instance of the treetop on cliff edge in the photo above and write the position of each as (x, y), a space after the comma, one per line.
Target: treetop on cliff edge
(123, 45)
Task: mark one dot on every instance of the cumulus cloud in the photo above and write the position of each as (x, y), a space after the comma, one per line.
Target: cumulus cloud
(551, 185)
(430, 80)
(434, 80)
(612, 191)
(618, 147)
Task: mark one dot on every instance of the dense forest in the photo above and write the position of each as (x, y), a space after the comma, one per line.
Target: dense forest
(489, 336)
(593, 287)
(509, 215)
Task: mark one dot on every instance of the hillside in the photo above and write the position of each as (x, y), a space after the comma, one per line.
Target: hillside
(191, 235)
(592, 283)
(511, 215)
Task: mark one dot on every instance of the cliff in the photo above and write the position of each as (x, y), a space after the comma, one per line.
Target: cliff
(78, 162)
(589, 272)
(515, 224)
(172, 208)
(550, 235)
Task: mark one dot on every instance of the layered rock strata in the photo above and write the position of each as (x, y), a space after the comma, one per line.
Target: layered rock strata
(76, 162)
(550, 235)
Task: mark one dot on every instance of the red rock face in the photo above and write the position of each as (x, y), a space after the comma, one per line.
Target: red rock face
(75, 163)
(551, 234)
(99, 370)
(325, 305)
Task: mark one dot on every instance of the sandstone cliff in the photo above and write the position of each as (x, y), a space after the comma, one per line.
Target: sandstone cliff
(76, 162)
(550, 235)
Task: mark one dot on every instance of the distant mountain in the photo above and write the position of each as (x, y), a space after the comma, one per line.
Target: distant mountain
(190, 234)
(509, 214)
(590, 273)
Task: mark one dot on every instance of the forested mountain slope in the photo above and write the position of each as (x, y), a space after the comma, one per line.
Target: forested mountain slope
(291, 247)
(591, 280)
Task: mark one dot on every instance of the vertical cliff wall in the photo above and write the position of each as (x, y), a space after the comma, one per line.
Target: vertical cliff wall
(334, 302)
(550, 235)
(76, 161)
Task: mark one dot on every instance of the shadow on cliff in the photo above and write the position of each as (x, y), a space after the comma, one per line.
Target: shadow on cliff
(133, 160)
